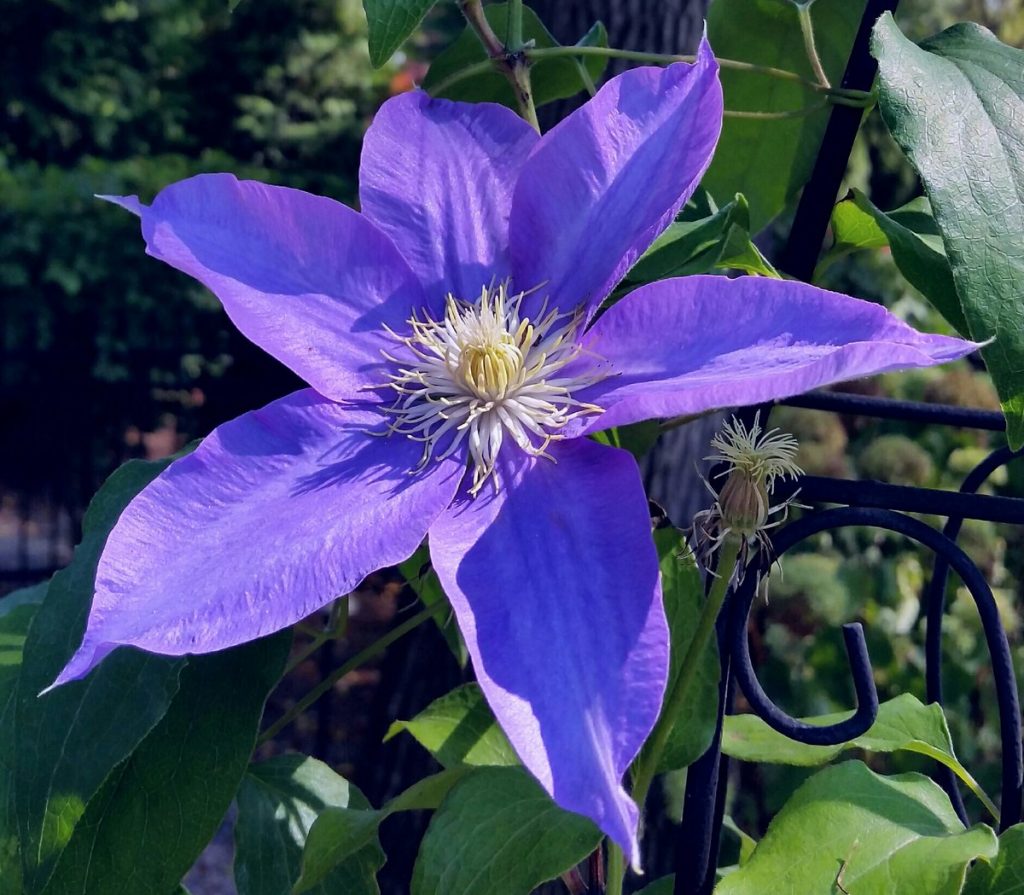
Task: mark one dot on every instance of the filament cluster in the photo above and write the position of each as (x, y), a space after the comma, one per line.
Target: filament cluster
(484, 373)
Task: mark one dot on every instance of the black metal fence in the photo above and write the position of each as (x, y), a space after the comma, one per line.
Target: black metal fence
(884, 506)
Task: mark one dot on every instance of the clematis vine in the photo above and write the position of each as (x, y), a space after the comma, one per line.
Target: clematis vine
(447, 332)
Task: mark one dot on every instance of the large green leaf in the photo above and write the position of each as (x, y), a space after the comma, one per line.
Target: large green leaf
(339, 834)
(389, 23)
(68, 741)
(498, 832)
(693, 245)
(912, 234)
(770, 160)
(551, 79)
(1005, 874)
(956, 107)
(903, 723)
(683, 593)
(16, 613)
(278, 802)
(156, 812)
(458, 728)
(874, 835)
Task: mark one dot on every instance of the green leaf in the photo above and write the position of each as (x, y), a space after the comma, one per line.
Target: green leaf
(770, 160)
(690, 246)
(956, 107)
(389, 23)
(637, 438)
(740, 253)
(16, 613)
(338, 834)
(903, 723)
(875, 835)
(1005, 874)
(422, 578)
(68, 741)
(720, 240)
(853, 229)
(910, 231)
(683, 593)
(747, 842)
(458, 728)
(427, 794)
(157, 811)
(498, 832)
(552, 79)
(278, 802)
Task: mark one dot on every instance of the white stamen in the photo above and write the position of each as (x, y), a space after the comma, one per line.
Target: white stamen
(483, 371)
(763, 456)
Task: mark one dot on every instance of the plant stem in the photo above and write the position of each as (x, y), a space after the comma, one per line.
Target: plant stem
(676, 421)
(803, 13)
(514, 42)
(374, 649)
(616, 869)
(584, 72)
(838, 95)
(470, 71)
(520, 78)
(666, 58)
(511, 59)
(337, 622)
(778, 116)
(647, 764)
(473, 10)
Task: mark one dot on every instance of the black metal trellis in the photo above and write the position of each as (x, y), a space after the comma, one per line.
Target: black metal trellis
(873, 504)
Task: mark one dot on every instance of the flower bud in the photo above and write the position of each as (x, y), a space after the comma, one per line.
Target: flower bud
(743, 508)
(743, 504)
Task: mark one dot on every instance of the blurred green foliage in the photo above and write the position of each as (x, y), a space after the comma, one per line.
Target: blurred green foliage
(127, 96)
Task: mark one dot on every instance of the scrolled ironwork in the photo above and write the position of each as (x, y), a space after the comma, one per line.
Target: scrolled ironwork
(876, 505)
(934, 605)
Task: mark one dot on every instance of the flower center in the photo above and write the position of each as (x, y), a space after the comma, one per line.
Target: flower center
(488, 370)
(483, 372)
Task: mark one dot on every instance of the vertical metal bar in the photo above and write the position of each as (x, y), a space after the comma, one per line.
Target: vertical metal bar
(934, 599)
(812, 214)
(704, 799)
(702, 813)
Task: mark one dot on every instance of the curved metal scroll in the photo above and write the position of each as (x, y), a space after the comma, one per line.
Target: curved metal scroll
(934, 599)
(999, 649)
(812, 734)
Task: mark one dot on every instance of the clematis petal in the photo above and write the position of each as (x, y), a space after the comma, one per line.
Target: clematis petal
(554, 580)
(309, 280)
(602, 184)
(688, 345)
(437, 177)
(275, 514)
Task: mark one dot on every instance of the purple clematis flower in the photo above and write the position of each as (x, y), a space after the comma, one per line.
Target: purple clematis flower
(455, 369)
